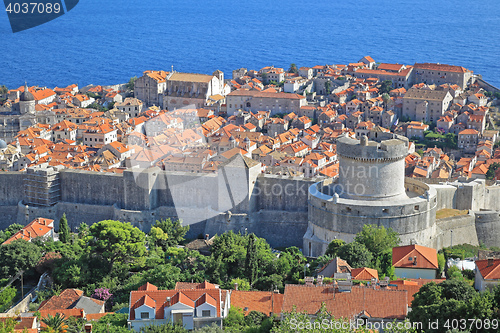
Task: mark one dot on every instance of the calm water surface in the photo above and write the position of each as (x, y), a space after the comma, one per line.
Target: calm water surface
(108, 41)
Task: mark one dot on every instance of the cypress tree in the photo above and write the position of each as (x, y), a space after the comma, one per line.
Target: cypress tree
(251, 262)
(64, 235)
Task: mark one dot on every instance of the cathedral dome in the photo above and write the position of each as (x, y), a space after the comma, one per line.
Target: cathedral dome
(3, 144)
(26, 96)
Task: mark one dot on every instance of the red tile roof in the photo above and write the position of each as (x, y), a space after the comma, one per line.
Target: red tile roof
(489, 268)
(440, 67)
(426, 257)
(378, 303)
(78, 313)
(364, 273)
(96, 316)
(266, 302)
(186, 296)
(469, 131)
(62, 302)
(148, 286)
(37, 228)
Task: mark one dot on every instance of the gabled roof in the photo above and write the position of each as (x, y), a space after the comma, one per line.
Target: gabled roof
(426, 257)
(206, 298)
(37, 228)
(64, 301)
(364, 273)
(489, 268)
(148, 286)
(186, 296)
(468, 131)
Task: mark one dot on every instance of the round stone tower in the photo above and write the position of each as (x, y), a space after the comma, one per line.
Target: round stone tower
(370, 170)
(371, 189)
(27, 101)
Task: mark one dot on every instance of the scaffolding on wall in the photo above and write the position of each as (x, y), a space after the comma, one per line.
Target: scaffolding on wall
(42, 187)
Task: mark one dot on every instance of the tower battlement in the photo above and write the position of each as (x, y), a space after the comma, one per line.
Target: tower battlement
(385, 148)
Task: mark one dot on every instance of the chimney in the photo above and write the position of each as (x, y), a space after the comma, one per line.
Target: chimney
(236, 286)
(490, 262)
(168, 301)
(319, 280)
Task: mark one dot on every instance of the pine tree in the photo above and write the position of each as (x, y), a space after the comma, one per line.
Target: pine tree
(251, 264)
(64, 235)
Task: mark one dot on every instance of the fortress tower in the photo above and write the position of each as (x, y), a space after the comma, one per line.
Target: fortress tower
(371, 189)
(371, 170)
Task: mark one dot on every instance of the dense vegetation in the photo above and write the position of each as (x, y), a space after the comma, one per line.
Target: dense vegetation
(372, 247)
(109, 259)
(456, 299)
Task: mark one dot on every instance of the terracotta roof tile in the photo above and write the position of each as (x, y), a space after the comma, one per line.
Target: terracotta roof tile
(265, 302)
(379, 303)
(426, 257)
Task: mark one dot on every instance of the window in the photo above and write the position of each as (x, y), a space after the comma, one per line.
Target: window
(205, 313)
(144, 315)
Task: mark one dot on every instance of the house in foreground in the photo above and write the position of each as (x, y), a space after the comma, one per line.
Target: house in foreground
(194, 307)
(487, 274)
(415, 262)
(39, 227)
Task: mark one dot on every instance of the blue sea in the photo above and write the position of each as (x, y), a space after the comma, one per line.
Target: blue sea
(109, 41)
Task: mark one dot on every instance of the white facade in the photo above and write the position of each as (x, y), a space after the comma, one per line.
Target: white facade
(415, 273)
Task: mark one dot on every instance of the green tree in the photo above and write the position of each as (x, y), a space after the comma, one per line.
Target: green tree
(451, 141)
(385, 87)
(356, 254)
(293, 69)
(377, 239)
(83, 230)
(6, 297)
(168, 233)
(11, 230)
(452, 299)
(163, 276)
(75, 325)
(235, 319)
(54, 324)
(490, 174)
(116, 323)
(64, 233)
(8, 325)
(441, 263)
(454, 273)
(386, 98)
(264, 78)
(18, 255)
(131, 83)
(251, 263)
(243, 284)
(116, 241)
(333, 247)
(328, 87)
